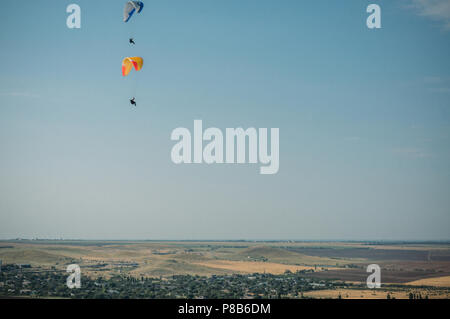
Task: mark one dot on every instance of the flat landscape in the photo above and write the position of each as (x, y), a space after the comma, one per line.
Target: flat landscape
(328, 269)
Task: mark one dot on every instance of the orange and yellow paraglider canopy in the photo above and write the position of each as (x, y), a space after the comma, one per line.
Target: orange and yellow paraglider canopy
(129, 63)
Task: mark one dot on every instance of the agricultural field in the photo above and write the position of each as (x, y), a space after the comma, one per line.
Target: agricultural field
(328, 269)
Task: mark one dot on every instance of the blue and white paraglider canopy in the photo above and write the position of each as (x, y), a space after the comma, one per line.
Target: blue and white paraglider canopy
(130, 8)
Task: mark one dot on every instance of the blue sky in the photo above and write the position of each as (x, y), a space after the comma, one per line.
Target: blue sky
(364, 118)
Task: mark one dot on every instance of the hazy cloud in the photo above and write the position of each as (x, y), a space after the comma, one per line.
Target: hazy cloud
(413, 152)
(353, 138)
(438, 10)
(432, 79)
(20, 94)
(438, 84)
(440, 90)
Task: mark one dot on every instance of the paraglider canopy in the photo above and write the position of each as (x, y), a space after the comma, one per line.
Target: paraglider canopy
(129, 63)
(130, 8)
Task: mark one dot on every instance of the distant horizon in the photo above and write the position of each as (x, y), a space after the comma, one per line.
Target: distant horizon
(443, 241)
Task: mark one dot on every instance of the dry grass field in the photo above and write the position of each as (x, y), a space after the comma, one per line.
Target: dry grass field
(443, 281)
(412, 265)
(252, 266)
(375, 294)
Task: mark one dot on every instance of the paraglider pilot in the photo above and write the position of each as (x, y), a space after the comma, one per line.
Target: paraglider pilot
(133, 102)
(131, 41)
